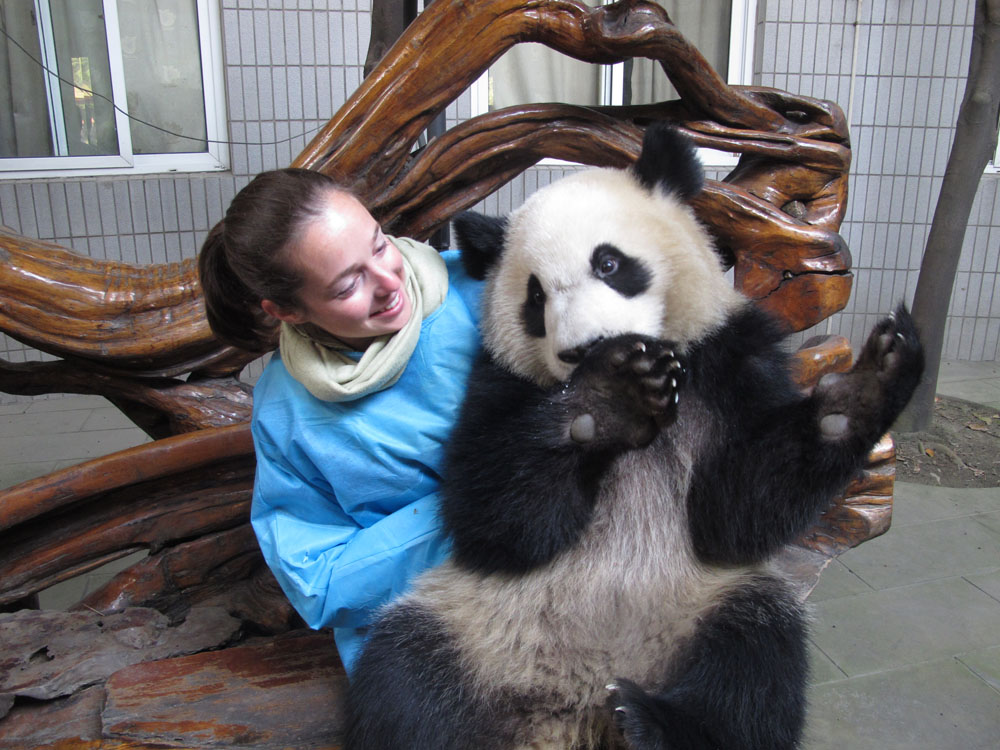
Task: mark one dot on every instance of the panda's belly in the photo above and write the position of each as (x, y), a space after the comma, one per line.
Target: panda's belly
(617, 605)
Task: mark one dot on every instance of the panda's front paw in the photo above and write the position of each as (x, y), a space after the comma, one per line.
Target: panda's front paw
(867, 400)
(637, 716)
(624, 391)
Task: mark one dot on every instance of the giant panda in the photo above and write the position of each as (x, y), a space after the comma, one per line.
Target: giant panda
(630, 455)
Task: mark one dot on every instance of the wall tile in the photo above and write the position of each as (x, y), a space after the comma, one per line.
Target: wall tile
(24, 210)
(262, 38)
(290, 22)
(91, 208)
(307, 41)
(248, 48)
(42, 210)
(168, 202)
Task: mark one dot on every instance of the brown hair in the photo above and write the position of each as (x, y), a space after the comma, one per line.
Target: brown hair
(245, 258)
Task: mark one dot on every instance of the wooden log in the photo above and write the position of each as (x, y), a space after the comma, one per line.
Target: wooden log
(71, 722)
(142, 320)
(819, 356)
(160, 406)
(285, 691)
(440, 41)
(146, 322)
(223, 569)
(863, 512)
(51, 654)
(71, 521)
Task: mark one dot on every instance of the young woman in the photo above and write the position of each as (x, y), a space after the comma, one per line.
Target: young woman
(351, 413)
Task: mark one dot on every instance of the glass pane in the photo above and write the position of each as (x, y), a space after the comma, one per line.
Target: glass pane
(85, 77)
(704, 23)
(534, 73)
(24, 127)
(24, 116)
(162, 58)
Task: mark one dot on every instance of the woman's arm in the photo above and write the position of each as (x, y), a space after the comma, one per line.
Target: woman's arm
(334, 571)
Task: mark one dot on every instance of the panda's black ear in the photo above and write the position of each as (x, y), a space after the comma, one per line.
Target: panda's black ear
(669, 160)
(480, 238)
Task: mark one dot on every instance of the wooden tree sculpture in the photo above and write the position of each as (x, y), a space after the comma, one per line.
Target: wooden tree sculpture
(137, 335)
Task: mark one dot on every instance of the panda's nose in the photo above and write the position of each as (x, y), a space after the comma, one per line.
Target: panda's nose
(573, 356)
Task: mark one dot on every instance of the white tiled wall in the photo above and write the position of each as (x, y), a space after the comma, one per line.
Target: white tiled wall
(912, 60)
(291, 63)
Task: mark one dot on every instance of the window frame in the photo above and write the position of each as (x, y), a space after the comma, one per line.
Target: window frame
(742, 43)
(994, 165)
(215, 158)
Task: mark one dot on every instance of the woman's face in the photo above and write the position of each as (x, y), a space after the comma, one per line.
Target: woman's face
(354, 281)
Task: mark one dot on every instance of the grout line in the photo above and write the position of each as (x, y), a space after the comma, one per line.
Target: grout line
(977, 675)
(834, 663)
(980, 588)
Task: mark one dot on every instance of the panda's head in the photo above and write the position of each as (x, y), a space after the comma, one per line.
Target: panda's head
(597, 254)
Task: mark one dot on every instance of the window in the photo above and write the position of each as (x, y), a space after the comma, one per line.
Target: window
(994, 166)
(110, 87)
(722, 30)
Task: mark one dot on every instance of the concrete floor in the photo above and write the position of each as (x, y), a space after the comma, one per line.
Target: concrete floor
(906, 636)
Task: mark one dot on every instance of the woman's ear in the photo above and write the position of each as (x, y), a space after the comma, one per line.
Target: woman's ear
(284, 314)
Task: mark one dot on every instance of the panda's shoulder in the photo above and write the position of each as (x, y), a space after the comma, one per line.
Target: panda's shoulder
(745, 353)
(746, 331)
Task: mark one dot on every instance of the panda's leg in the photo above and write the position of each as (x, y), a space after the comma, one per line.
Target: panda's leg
(740, 682)
(409, 692)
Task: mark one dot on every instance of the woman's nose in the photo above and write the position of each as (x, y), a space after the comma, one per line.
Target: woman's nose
(387, 279)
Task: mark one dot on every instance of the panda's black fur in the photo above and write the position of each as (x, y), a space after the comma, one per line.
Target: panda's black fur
(630, 454)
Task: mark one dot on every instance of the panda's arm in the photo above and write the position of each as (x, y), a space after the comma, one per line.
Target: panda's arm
(779, 456)
(516, 491)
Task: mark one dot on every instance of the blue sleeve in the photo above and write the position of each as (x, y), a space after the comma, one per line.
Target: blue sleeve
(334, 571)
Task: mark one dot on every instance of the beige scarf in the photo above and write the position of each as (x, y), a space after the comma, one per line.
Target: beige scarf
(318, 360)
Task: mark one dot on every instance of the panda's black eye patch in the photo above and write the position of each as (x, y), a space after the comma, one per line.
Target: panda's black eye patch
(626, 275)
(533, 309)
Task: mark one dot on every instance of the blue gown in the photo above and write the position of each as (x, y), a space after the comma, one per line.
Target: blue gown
(346, 494)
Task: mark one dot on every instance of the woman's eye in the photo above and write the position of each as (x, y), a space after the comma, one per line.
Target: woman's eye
(346, 291)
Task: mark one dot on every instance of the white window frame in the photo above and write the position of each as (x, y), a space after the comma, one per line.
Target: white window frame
(216, 158)
(994, 166)
(742, 35)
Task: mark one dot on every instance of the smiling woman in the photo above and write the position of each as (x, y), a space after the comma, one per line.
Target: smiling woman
(377, 338)
(353, 276)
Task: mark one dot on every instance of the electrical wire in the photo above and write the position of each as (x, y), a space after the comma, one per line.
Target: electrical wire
(42, 65)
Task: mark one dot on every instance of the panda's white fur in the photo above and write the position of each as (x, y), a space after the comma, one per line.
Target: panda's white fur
(552, 235)
(636, 553)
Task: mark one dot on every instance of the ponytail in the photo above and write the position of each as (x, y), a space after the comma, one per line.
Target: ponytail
(233, 310)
